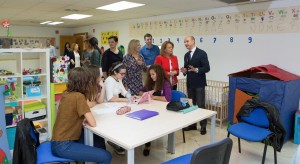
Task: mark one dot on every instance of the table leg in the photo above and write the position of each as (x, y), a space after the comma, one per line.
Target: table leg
(212, 129)
(88, 137)
(171, 143)
(130, 156)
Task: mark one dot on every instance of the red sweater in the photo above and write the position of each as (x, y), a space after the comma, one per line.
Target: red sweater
(164, 62)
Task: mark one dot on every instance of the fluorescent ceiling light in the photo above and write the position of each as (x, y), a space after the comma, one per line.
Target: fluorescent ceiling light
(45, 22)
(122, 5)
(76, 16)
(55, 23)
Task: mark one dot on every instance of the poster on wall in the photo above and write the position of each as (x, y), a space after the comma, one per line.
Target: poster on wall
(29, 42)
(105, 35)
(277, 20)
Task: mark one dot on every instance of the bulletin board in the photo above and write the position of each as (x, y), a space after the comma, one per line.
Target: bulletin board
(26, 42)
(105, 35)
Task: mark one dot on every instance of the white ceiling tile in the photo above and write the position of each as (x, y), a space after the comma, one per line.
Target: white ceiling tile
(29, 12)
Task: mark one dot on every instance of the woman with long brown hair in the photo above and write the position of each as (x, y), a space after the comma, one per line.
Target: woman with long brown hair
(157, 81)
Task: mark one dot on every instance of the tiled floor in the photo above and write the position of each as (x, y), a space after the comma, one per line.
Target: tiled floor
(251, 152)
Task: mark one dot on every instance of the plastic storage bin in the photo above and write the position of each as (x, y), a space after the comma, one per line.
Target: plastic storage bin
(31, 91)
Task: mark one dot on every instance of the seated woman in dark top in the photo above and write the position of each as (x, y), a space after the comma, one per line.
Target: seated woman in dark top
(111, 55)
(157, 81)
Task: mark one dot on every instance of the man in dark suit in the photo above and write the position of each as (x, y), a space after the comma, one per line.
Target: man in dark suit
(195, 66)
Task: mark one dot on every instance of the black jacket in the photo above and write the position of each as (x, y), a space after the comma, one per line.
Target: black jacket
(273, 115)
(25, 145)
(199, 60)
(71, 56)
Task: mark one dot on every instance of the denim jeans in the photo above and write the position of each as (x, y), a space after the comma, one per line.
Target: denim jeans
(77, 151)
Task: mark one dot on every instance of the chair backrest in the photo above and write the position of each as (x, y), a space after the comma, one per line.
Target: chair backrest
(216, 153)
(176, 95)
(257, 117)
(27, 138)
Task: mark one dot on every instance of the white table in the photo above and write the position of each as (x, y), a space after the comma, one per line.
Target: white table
(130, 133)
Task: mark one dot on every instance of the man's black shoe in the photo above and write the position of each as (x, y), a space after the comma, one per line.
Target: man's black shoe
(146, 151)
(203, 130)
(190, 128)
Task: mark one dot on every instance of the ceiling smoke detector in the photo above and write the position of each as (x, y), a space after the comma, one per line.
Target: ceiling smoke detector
(73, 10)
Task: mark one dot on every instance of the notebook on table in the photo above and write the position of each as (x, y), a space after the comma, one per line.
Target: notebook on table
(142, 114)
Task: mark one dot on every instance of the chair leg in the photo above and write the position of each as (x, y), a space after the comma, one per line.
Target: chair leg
(264, 155)
(228, 134)
(183, 135)
(275, 156)
(239, 142)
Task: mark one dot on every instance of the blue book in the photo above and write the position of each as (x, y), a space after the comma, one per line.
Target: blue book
(142, 114)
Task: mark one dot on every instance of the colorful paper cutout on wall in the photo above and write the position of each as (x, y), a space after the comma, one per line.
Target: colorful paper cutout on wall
(106, 35)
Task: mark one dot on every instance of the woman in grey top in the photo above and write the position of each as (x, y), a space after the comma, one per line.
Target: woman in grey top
(86, 54)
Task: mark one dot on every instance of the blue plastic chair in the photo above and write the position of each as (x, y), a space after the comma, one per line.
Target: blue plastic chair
(44, 151)
(44, 155)
(254, 128)
(215, 153)
(176, 95)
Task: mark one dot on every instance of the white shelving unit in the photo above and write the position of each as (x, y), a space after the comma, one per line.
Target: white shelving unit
(15, 60)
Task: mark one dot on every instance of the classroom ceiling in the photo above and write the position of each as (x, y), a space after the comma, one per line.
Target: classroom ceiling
(33, 12)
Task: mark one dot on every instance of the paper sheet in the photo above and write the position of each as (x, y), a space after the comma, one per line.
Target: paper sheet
(109, 108)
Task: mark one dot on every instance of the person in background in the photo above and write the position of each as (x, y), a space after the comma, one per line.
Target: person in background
(111, 55)
(86, 54)
(135, 65)
(96, 52)
(74, 56)
(52, 48)
(169, 62)
(159, 82)
(196, 65)
(114, 88)
(149, 51)
(67, 49)
(74, 113)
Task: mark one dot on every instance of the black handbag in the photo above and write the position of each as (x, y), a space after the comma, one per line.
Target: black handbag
(177, 106)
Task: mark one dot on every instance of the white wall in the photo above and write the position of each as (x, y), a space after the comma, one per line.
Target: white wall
(30, 31)
(280, 49)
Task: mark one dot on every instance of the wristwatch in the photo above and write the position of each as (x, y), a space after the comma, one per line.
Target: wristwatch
(196, 70)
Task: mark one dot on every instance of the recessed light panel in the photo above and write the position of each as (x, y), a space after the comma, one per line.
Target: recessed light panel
(122, 5)
(76, 16)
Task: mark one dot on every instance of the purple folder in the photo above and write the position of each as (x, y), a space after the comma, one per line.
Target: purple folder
(142, 114)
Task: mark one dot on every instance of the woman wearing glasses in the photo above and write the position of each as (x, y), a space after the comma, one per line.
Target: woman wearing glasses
(113, 84)
(135, 65)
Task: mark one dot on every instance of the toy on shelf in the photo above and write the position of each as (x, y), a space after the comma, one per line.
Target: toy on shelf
(31, 86)
(32, 71)
(11, 88)
(5, 72)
